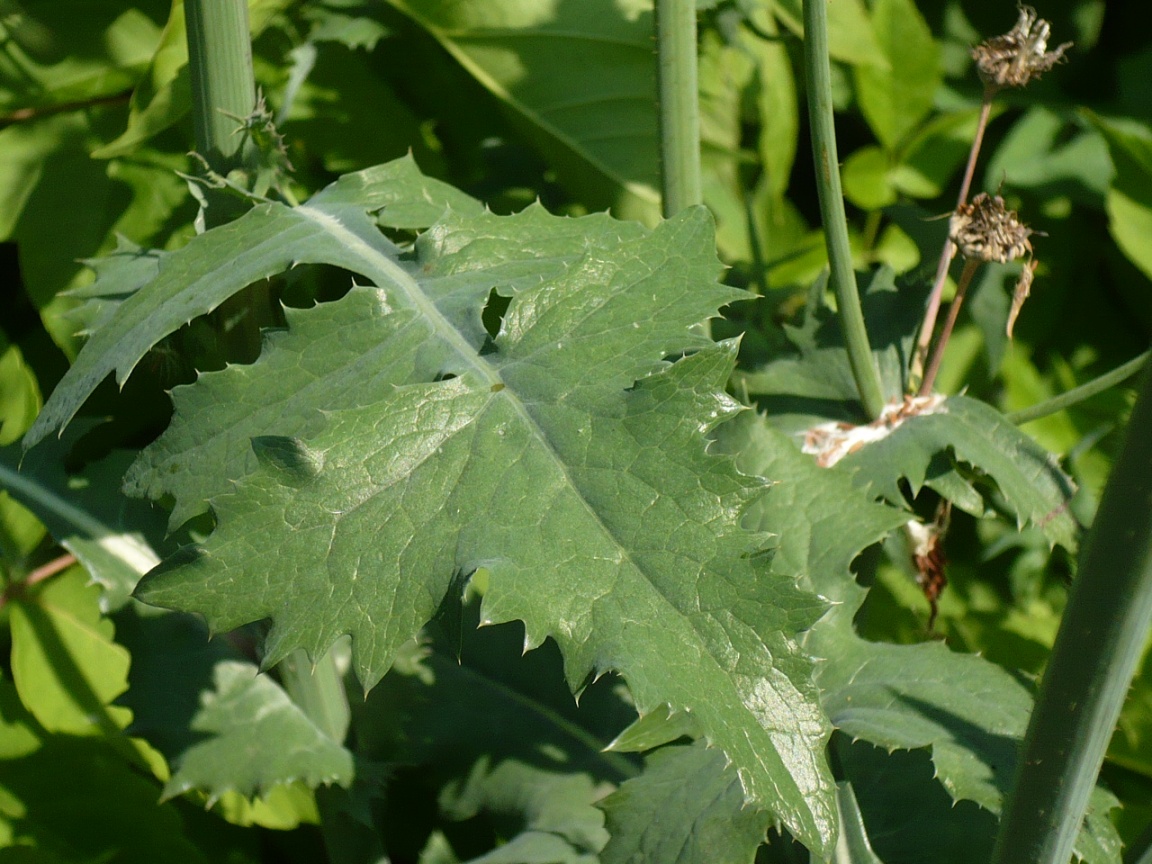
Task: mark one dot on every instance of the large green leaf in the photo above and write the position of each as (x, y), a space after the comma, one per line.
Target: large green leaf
(543, 454)
(581, 78)
(970, 712)
(269, 239)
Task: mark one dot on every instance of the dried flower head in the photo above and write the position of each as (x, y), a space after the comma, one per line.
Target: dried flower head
(985, 229)
(1021, 54)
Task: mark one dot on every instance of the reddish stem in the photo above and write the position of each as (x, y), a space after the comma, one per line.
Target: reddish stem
(44, 571)
(949, 250)
(970, 267)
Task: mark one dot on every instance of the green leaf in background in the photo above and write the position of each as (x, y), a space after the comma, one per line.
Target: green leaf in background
(65, 664)
(685, 808)
(110, 535)
(580, 79)
(895, 96)
(1129, 200)
(57, 52)
(255, 738)
(1055, 154)
(970, 712)
(539, 449)
(20, 531)
(222, 727)
(493, 736)
(65, 798)
(851, 37)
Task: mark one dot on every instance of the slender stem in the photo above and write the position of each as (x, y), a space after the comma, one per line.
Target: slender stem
(949, 250)
(1098, 648)
(990, 91)
(970, 268)
(679, 95)
(21, 115)
(44, 571)
(1078, 394)
(819, 76)
(223, 86)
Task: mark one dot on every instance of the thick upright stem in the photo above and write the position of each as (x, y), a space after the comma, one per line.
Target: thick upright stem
(223, 87)
(818, 68)
(1098, 647)
(679, 96)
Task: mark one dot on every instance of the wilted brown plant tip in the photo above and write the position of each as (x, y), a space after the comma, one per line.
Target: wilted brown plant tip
(1021, 54)
(985, 229)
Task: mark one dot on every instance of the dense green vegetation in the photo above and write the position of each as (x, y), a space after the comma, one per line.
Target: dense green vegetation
(410, 347)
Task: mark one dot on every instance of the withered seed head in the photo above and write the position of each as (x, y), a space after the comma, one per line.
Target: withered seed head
(987, 230)
(1021, 54)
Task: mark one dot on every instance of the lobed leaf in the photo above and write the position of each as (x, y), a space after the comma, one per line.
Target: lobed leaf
(543, 455)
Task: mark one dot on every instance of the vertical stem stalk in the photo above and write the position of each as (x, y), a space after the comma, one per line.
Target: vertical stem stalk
(224, 89)
(1097, 650)
(679, 95)
(949, 250)
(223, 86)
(970, 268)
(819, 74)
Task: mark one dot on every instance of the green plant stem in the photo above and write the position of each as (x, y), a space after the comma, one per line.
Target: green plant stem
(679, 95)
(318, 690)
(223, 86)
(1078, 394)
(970, 268)
(819, 75)
(1098, 648)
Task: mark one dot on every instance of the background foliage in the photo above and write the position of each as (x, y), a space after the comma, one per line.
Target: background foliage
(471, 749)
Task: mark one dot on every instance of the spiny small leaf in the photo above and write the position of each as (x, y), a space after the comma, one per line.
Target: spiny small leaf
(222, 726)
(978, 435)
